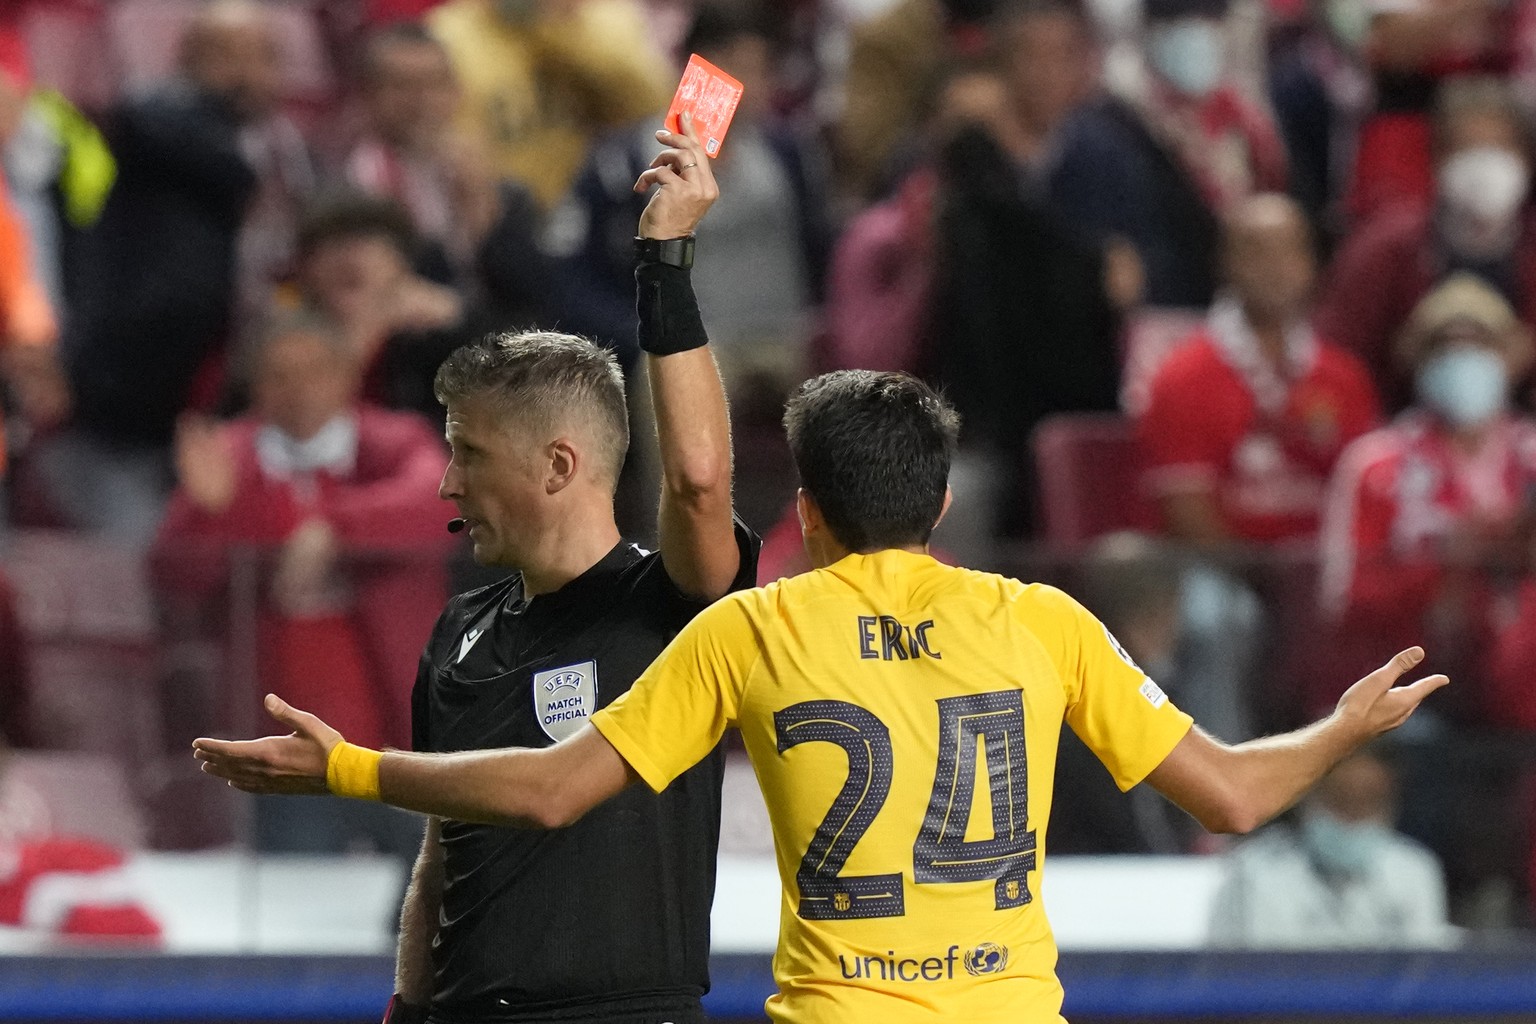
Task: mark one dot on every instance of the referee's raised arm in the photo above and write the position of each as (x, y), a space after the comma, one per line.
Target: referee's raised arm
(698, 541)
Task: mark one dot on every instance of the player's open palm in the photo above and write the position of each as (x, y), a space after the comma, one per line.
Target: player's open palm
(292, 764)
(1376, 704)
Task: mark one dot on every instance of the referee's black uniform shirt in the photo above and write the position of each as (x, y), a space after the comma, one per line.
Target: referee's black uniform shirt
(607, 920)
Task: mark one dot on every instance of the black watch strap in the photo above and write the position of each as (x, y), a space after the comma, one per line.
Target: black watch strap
(674, 252)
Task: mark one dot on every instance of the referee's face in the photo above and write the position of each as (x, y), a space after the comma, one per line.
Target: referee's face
(494, 480)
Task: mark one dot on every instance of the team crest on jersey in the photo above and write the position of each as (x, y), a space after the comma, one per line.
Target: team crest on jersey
(986, 958)
(1125, 657)
(564, 698)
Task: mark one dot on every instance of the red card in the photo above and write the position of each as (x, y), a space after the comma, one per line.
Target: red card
(710, 96)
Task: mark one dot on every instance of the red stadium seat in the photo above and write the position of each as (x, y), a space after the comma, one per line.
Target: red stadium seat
(1089, 478)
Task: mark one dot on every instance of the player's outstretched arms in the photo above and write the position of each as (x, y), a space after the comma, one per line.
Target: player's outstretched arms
(1240, 787)
(546, 788)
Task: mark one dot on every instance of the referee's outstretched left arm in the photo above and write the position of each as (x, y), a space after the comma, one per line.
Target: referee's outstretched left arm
(698, 538)
(543, 787)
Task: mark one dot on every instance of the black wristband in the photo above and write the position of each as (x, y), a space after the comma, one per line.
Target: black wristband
(675, 252)
(401, 1012)
(669, 314)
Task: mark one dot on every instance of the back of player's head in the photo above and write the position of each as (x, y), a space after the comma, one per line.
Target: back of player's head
(873, 450)
(543, 380)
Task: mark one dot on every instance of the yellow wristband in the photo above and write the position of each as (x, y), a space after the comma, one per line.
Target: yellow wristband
(353, 771)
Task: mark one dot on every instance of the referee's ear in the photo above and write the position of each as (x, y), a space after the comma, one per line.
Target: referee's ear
(565, 461)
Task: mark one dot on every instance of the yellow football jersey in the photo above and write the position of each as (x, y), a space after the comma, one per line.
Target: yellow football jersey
(902, 718)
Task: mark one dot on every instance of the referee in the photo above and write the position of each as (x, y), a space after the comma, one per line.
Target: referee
(607, 921)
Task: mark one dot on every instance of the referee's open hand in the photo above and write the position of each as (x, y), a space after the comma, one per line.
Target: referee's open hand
(291, 764)
(685, 185)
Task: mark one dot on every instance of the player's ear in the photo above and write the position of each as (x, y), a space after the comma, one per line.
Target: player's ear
(564, 461)
(949, 498)
(812, 522)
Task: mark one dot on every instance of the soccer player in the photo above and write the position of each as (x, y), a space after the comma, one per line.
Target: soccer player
(505, 924)
(902, 717)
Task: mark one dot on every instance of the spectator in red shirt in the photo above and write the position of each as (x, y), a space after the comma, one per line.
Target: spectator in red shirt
(1479, 223)
(343, 497)
(1428, 519)
(1247, 417)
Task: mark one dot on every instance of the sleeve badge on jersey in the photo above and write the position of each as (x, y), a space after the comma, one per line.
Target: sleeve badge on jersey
(1154, 693)
(564, 698)
(1124, 656)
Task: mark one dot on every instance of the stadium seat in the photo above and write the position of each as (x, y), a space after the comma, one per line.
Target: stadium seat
(86, 609)
(1089, 478)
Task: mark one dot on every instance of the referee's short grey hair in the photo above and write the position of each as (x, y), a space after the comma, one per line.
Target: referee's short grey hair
(540, 380)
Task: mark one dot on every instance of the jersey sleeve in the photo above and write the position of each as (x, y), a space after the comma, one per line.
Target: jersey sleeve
(680, 707)
(1115, 709)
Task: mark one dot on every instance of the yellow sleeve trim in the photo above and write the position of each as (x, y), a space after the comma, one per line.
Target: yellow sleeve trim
(353, 771)
(630, 751)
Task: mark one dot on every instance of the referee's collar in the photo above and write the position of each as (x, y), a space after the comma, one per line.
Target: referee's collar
(602, 573)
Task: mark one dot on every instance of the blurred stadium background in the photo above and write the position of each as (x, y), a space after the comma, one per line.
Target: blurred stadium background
(1227, 424)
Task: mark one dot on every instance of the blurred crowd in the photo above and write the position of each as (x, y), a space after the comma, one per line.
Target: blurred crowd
(1235, 297)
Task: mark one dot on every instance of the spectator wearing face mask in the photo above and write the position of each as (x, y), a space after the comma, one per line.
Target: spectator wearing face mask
(1479, 223)
(1412, 49)
(1159, 168)
(1427, 522)
(1338, 876)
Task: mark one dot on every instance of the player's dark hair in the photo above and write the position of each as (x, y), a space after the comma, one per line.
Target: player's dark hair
(873, 450)
(542, 379)
(349, 214)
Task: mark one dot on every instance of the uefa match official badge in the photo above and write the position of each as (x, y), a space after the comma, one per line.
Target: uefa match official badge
(564, 698)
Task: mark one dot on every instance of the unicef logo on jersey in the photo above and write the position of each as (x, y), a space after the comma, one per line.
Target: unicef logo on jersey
(564, 698)
(986, 958)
